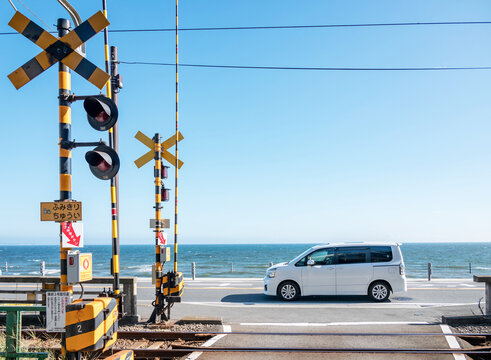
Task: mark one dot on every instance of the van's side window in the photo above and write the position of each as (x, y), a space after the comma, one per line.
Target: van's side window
(380, 253)
(320, 257)
(352, 255)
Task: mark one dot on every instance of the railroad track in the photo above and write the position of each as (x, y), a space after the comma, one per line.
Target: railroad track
(179, 344)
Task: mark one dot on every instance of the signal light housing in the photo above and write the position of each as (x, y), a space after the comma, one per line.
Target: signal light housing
(103, 162)
(102, 112)
(164, 193)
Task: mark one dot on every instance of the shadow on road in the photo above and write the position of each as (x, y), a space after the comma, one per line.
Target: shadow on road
(256, 298)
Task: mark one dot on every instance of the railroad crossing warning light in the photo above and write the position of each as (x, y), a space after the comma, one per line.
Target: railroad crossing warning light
(164, 192)
(165, 171)
(102, 112)
(103, 162)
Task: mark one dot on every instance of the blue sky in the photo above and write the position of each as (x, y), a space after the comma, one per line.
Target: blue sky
(269, 155)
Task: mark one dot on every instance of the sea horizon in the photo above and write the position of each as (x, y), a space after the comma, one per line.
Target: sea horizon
(449, 260)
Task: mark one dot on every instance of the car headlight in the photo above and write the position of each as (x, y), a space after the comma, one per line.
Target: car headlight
(271, 273)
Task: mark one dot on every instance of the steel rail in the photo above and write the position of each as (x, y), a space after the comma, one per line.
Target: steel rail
(179, 352)
(186, 335)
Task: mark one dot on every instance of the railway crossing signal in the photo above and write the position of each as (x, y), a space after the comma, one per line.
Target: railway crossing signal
(164, 145)
(168, 286)
(103, 162)
(59, 49)
(96, 331)
(102, 112)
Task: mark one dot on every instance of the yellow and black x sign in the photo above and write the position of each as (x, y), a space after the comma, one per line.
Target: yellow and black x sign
(62, 49)
(151, 144)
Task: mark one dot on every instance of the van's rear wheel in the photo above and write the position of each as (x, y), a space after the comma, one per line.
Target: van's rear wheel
(379, 291)
(288, 291)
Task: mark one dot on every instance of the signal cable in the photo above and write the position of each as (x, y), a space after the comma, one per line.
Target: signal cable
(280, 27)
(309, 68)
(49, 27)
(306, 26)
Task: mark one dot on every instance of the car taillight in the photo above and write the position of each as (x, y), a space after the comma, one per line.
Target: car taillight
(401, 269)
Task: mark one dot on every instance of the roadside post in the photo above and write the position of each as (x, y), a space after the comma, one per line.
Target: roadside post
(169, 286)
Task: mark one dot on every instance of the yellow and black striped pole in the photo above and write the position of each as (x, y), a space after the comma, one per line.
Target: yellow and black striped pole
(114, 180)
(65, 122)
(177, 138)
(65, 155)
(158, 225)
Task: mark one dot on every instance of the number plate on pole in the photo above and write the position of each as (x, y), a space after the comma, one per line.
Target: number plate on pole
(61, 211)
(163, 223)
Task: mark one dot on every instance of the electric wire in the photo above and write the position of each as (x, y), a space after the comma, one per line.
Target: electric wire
(309, 68)
(273, 27)
(36, 16)
(291, 26)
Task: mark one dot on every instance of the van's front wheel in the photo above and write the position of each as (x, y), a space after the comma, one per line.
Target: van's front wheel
(379, 291)
(288, 291)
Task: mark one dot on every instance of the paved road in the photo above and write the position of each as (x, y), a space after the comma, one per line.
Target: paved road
(243, 307)
(240, 300)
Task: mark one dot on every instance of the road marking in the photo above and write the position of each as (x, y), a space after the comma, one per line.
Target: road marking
(445, 288)
(210, 342)
(223, 287)
(211, 288)
(282, 305)
(348, 323)
(452, 342)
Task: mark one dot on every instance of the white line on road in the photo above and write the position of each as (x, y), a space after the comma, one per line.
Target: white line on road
(348, 323)
(452, 342)
(331, 306)
(214, 339)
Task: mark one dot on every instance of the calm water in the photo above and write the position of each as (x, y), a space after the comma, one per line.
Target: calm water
(449, 260)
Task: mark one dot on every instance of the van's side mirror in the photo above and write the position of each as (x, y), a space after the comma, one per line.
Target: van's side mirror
(310, 262)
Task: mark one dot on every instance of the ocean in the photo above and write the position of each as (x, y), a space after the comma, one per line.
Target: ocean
(449, 260)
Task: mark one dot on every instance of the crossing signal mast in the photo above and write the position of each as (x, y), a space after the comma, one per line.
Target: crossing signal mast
(168, 286)
(101, 313)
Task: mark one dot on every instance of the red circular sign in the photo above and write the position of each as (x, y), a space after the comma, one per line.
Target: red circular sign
(86, 264)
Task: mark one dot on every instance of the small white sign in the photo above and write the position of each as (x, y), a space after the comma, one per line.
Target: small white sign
(56, 302)
(72, 234)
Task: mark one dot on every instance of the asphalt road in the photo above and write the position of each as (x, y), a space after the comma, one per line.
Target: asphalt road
(240, 303)
(239, 300)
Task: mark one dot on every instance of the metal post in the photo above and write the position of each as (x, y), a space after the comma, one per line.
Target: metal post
(193, 270)
(156, 316)
(232, 267)
(6, 266)
(113, 142)
(177, 139)
(65, 155)
(470, 268)
(271, 264)
(43, 268)
(429, 271)
(13, 332)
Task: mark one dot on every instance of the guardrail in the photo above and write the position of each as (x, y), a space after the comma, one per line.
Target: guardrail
(52, 283)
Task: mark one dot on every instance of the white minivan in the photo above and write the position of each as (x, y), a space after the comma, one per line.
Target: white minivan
(371, 269)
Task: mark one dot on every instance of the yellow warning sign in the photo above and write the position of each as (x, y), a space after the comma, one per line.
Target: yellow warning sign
(85, 267)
